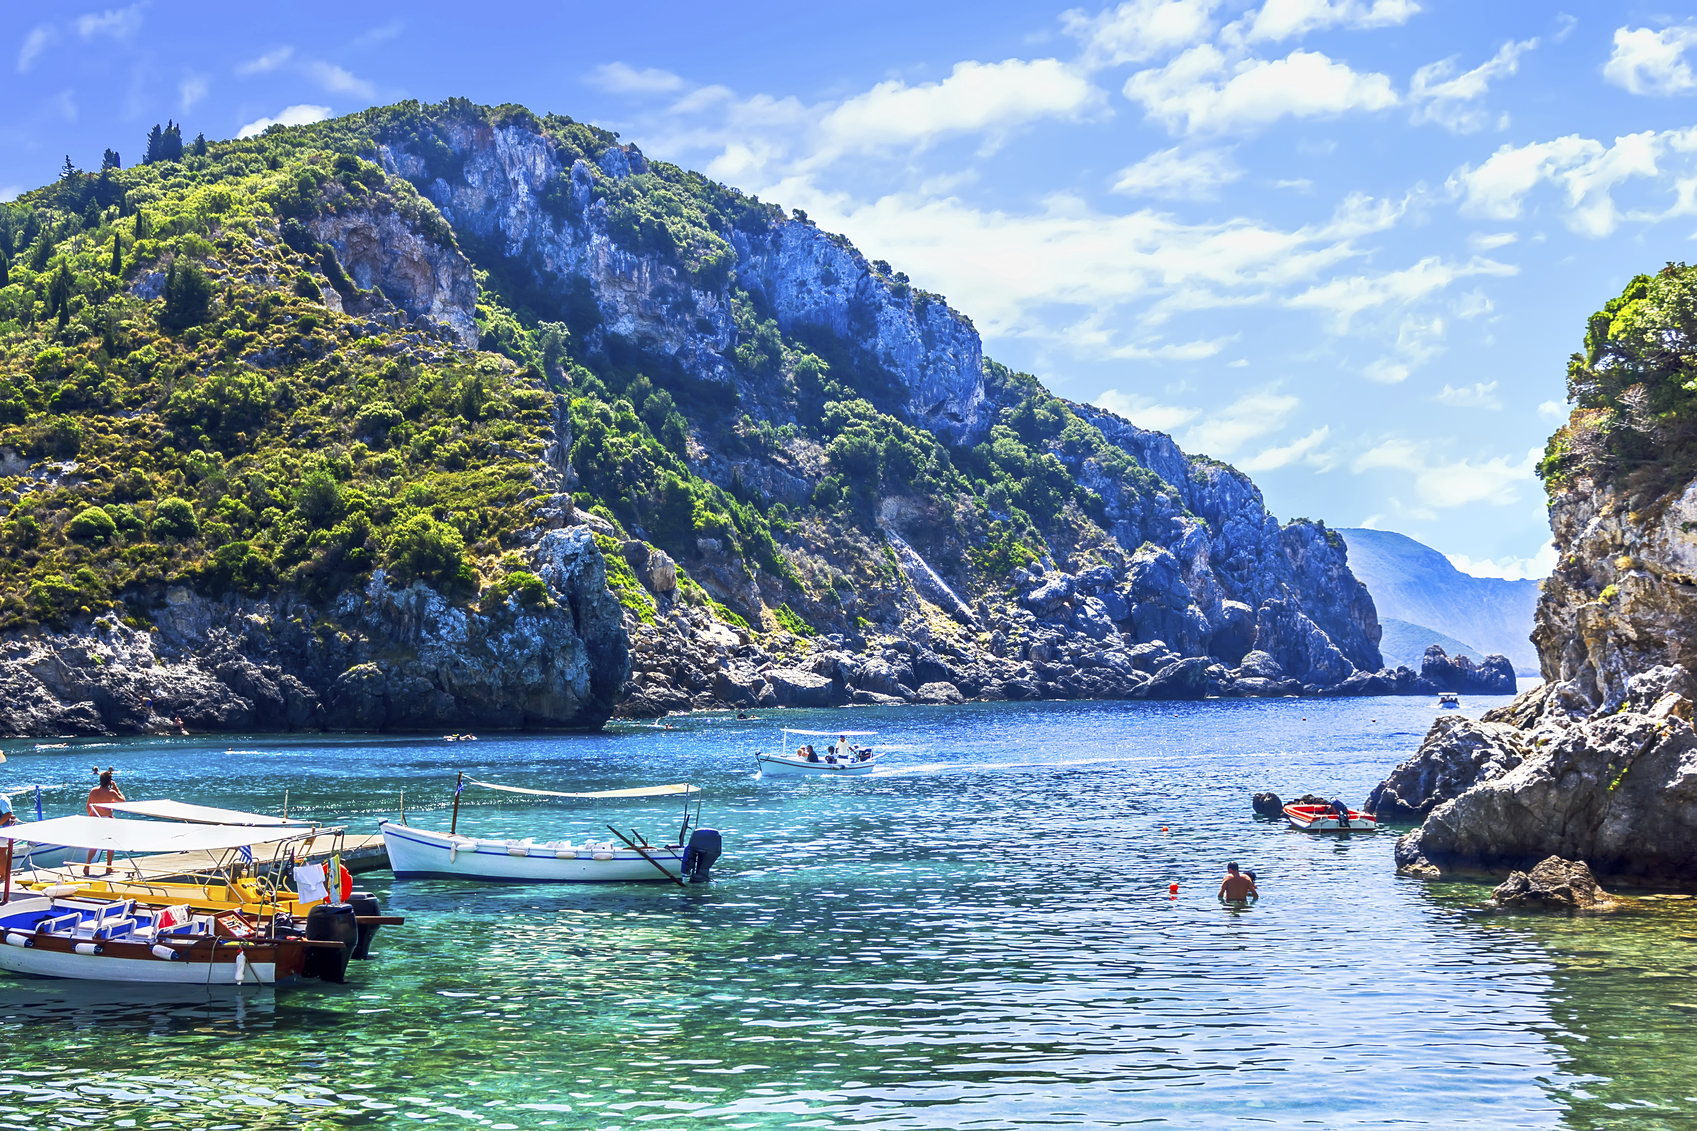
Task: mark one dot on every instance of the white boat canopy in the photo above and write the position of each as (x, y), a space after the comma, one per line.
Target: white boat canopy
(643, 791)
(203, 814)
(105, 834)
(831, 733)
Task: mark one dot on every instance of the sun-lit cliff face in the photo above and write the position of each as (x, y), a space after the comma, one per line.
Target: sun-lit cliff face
(408, 349)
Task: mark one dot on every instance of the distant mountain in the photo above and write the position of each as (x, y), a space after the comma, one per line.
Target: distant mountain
(1413, 583)
(1405, 644)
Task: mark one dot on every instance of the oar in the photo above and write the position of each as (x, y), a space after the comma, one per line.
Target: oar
(657, 865)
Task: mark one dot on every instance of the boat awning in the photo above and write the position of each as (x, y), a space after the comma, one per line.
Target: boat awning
(831, 733)
(203, 814)
(106, 834)
(641, 791)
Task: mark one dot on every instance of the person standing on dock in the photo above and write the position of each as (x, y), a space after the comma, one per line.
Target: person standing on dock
(100, 800)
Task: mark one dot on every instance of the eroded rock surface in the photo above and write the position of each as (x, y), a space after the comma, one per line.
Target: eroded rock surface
(1554, 884)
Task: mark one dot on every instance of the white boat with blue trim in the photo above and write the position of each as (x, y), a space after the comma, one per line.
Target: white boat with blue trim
(842, 759)
(416, 853)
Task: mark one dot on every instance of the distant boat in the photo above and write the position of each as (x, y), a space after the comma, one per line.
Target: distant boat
(1336, 817)
(1449, 700)
(427, 853)
(857, 761)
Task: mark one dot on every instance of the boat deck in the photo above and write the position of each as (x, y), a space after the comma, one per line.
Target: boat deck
(359, 854)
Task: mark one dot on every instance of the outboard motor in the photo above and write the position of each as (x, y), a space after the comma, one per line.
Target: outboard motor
(364, 903)
(330, 922)
(703, 850)
(1342, 812)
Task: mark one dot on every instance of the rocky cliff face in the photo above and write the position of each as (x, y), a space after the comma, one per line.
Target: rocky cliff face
(382, 658)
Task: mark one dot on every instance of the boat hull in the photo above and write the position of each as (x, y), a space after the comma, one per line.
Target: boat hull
(1324, 819)
(795, 767)
(28, 856)
(424, 854)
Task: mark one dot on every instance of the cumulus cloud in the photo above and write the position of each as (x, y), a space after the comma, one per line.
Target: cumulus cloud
(1446, 484)
(1139, 30)
(622, 78)
(1343, 298)
(1482, 394)
(339, 80)
(1652, 62)
(1144, 412)
(299, 115)
(1177, 174)
(1535, 568)
(1287, 19)
(989, 98)
(1555, 410)
(1309, 450)
(1585, 169)
(35, 43)
(1226, 430)
(267, 62)
(1204, 89)
(118, 23)
(1438, 94)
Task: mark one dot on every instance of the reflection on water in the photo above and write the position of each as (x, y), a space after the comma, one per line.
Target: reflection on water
(979, 936)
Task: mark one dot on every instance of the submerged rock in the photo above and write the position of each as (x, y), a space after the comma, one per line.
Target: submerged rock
(1554, 884)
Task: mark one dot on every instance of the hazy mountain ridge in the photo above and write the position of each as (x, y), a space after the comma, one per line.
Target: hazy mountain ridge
(1413, 583)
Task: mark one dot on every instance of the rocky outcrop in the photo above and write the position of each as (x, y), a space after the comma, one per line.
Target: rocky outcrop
(1457, 754)
(1554, 884)
(383, 658)
(1495, 676)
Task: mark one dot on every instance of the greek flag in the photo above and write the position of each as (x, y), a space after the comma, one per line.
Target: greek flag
(247, 854)
(459, 787)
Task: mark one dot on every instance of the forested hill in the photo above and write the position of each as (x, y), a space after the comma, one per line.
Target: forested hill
(453, 415)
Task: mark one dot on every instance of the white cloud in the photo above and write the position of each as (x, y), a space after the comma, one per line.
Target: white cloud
(1474, 304)
(1555, 410)
(339, 80)
(1179, 175)
(299, 115)
(977, 97)
(1535, 568)
(1306, 449)
(119, 23)
(1481, 394)
(1490, 241)
(1146, 413)
(1652, 62)
(1345, 297)
(1285, 19)
(269, 61)
(1225, 430)
(1385, 371)
(1139, 30)
(622, 78)
(1586, 169)
(377, 36)
(190, 90)
(65, 102)
(37, 41)
(1445, 485)
(1203, 89)
(1440, 95)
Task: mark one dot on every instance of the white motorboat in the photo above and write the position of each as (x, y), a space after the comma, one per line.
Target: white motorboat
(28, 855)
(1333, 818)
(845, 759)
(420, 853)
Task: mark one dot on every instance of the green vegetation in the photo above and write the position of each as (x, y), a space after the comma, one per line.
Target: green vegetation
(790, 621)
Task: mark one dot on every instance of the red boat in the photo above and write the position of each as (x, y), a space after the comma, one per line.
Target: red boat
(1330, 819)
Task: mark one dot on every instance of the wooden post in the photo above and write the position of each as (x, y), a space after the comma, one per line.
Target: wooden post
(6, 866)
(454, 825)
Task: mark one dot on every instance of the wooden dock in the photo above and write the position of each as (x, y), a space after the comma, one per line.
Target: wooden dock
(359, 854)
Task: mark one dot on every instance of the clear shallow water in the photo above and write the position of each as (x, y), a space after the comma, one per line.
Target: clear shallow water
(979, 936)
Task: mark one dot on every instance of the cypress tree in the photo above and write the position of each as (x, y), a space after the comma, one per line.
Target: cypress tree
(155, 140)
(69, 170)
(5, 270)
(92, 216)
(141, 224)
(200, 145)
(110, 160)
(171, 143)
(117, 256)
(41, 253)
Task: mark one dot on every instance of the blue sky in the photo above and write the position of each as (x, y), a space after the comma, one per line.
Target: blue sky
(1346, 245)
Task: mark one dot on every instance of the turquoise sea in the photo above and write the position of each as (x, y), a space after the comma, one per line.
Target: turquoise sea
(981, 936)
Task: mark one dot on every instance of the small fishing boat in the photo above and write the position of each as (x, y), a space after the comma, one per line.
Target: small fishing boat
(845, 759)
(1334, 818)
(426, 853)
(1449, 700)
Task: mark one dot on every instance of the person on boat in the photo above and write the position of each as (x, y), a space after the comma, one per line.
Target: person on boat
(1237, 887)
(100, 800)
(809, 753)
(842, 750)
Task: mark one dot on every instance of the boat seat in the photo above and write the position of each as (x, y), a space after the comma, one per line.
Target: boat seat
(113, 928)
(122, 910)
(59, 923)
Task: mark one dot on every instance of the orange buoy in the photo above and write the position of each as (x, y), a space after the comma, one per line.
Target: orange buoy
(1172, 889)
(1163, 828)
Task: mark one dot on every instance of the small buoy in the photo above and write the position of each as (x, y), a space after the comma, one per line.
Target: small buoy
(1163, 828)
(1172, 889)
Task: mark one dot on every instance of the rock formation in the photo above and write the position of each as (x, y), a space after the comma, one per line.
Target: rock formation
(1554, 884)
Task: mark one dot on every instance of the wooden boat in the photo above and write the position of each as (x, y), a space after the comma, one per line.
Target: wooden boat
(426, 853)
(1449, 700)
(1328, 819)
(794, 762)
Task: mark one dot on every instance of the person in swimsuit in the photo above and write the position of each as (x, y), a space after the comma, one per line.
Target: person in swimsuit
(100, 800)
(1237, 887)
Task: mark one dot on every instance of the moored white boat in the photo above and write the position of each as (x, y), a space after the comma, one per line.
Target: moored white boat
(835, 761)
(1327, 818)
(426, 853)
